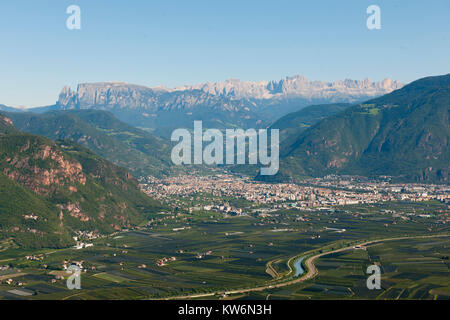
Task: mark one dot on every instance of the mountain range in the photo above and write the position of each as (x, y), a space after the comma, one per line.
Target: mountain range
(296, 87)
(65, 168)
(232, 103)
(63, 171)
(388, 135)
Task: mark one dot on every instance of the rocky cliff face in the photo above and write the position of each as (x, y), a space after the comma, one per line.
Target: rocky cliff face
(42, 167)
(109, 95)
(226, 94)
(5, 121)
(297, 87)
(6, 125)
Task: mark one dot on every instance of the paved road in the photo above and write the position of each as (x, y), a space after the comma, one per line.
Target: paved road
(311, 273)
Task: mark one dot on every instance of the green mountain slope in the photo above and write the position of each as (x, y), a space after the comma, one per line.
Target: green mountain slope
(139, 151)
(296, 122)
(49, 190)
(17, 207)
(403, 134)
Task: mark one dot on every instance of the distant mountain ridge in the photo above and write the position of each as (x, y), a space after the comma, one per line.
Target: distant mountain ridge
(124, 95)
(157, 109)
(228, 104)
(101, 132)
(296, 87)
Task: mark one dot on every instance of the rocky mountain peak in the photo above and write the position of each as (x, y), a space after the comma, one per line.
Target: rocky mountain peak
(231, 94)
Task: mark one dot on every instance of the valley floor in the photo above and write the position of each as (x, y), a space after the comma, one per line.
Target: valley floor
(207, 254)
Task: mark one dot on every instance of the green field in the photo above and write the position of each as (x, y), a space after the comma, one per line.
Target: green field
(236, 251)
(411, 269)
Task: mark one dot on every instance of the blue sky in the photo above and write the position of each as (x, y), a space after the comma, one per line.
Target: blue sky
(172, 43)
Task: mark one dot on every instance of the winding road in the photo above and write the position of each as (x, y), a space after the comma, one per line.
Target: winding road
(311, 270)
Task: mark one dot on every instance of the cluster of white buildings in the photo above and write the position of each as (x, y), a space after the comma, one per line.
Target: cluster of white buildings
(329, 191)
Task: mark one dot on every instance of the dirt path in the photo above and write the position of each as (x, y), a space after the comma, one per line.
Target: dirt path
(11, 276)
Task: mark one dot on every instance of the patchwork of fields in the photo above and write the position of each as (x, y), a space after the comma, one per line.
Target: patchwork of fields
(213, 254)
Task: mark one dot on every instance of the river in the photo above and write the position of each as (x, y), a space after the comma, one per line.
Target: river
(298, 267)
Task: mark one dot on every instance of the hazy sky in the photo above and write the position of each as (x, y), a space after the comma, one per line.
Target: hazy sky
(172, 43)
